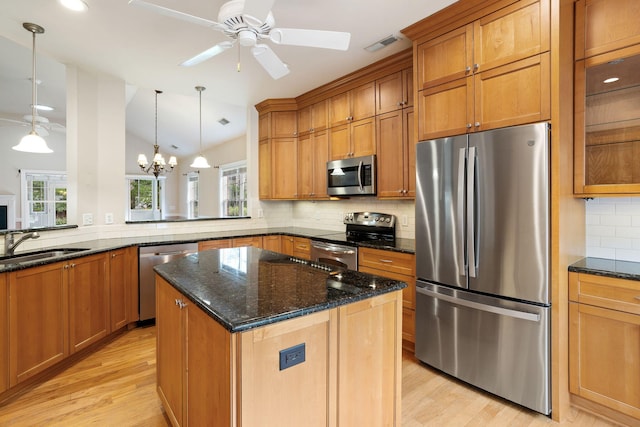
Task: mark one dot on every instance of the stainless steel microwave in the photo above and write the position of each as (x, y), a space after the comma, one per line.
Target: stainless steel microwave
(355, 176)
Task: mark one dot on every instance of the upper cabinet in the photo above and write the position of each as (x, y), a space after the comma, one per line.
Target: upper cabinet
(394, 92)
(352, 105)
(489, 73)
(607, 99)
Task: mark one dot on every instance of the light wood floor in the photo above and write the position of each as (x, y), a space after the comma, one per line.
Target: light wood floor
(115, 386)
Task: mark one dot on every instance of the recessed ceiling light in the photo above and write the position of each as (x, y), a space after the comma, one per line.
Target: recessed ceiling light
(75, 5)
(611, 80)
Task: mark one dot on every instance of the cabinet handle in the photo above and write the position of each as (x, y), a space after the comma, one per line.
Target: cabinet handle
(386, 261)
(177, 302)
(637, 298)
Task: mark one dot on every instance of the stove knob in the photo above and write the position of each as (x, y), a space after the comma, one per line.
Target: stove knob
(388, 219)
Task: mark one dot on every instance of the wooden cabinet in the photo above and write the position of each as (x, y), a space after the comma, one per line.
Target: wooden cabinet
(313, 154)
(284, 168)
(301, 248)
(123, 287)
(88, 301)
(353, 105)
(486, 74)
(38, 320)
(607, 114)
(313, 118)
(272, 243)
(604, 341)
(394, 92)
(255, 241)
(353, 139)
(605, 25)
(4, 333)
(287, 244)
(278, 124)
(396, 155)
(264, 169)
(214, 244)
(397, 266)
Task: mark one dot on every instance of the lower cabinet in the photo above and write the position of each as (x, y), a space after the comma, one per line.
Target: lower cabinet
(123, 287)
(4, 333)
(209, 376)
(302, 247)
(272, 242)
(397, 266)
(604, 344)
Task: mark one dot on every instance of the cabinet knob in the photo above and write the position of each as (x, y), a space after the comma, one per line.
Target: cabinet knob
(73, 265)
(477, 124)
(66, 266)
(177, 302)
(475, 67)
(467, 69)
(400, 104)
(468, 125)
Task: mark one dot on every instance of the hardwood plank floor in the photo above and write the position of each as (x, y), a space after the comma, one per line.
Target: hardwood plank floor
(115, 386)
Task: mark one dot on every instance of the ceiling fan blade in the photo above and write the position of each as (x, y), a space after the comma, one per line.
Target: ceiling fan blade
(258, 9)
(270, 61)
(173, 13)
(42, 131)
(311, 38)
(18, 122)
(209, 53)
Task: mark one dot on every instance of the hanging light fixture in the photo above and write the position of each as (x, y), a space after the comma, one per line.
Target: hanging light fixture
(32, 142)
(200, 162)
(158, 165)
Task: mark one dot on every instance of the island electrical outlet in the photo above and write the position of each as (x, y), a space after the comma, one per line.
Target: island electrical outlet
(292, 356)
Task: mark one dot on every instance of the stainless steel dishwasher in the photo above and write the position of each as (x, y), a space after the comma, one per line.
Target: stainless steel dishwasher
(154, 255)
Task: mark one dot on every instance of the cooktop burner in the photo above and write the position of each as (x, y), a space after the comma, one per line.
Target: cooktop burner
(370, 227)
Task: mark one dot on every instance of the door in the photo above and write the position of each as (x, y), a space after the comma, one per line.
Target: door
(508, 251)
(440, 239)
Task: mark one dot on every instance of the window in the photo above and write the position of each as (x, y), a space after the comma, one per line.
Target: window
(44, 198)
(233, 189)
(192, 194)
(145, 198)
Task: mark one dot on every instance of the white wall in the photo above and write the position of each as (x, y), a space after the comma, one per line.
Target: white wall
(613, 228)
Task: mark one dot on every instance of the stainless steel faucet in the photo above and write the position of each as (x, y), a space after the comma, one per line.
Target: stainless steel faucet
(10, 244)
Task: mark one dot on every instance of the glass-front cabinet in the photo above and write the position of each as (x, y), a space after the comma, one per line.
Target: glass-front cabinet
(607, 123)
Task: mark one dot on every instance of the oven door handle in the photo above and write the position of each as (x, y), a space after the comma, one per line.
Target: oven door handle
(332, 249)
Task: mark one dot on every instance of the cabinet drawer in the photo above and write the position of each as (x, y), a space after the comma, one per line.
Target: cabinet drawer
(607, 292)
(301, 247)
(391, 261)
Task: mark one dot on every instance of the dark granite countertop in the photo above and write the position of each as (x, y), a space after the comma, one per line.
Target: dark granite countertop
(244, 288)
(103, 245)
(607, 267)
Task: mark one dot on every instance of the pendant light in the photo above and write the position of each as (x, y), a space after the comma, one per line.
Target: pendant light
(200, 162)
(158, 163)
(32, 142)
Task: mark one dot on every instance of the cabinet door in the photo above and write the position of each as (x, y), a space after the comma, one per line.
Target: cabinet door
(304, 120)
(604, 352)
(408, 137)
(407, 87)
(372, 328)
(340, 142)
(363, 101)
(301, 247)
(284, 171)
(513, 33)
(320, 147)
(264, 169)
(38, 320)
(389, 93)
(88, 301)
(363, 137)
(391, 155)
(264, 126)
(339, 109)
(513, 94)
(255, 241)
(606, 25)
(287, 245)
(446, 109)
(118, 289)
(283, 124)
(4, 332)
(445, 58)
(170, 340)
(272, 243)
(319, 116)
(305, 166)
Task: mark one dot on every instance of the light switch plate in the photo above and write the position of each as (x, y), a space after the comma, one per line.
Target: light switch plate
(108, 218)
(87, 219)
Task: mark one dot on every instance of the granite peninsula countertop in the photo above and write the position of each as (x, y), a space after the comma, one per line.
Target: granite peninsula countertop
(607, 267)
(103, 245)
(245, 288)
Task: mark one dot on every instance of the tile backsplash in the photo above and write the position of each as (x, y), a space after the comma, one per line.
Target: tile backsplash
(613, 228)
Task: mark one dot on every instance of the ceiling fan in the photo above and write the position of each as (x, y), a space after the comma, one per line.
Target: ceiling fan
(248, 22)
(42, 124)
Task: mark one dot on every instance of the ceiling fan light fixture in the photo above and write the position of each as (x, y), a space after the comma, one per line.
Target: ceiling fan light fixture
(75, 5)
(33, 143)
(200, 162)
(41, 107)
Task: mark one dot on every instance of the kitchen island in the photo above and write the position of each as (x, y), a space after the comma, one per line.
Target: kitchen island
(256, 338)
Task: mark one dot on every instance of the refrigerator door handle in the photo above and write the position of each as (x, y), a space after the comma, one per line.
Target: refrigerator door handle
(533, 317)
(471, 211)
(460, 211)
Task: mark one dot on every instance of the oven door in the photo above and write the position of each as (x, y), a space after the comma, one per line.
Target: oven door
(336, 255)
(355, 176)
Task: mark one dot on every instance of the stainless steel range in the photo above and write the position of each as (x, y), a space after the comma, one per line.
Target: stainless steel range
(371, 227)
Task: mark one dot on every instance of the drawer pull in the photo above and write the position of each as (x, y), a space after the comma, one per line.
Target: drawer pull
(386, 260)
(637, 297)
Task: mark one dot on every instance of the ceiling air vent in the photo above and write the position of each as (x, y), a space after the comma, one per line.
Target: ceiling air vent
(223, 121)
(382, 43)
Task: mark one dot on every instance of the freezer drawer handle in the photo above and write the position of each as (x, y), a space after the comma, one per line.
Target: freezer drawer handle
(534, 317)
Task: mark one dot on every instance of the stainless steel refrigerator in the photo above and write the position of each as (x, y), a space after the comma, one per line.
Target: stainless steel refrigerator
(482, 260)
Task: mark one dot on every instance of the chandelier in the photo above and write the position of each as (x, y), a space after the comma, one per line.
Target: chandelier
(158, 165)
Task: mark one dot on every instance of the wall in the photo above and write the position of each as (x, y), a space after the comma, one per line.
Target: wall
(613, 228)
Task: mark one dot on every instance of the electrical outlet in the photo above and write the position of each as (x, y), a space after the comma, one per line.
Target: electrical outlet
(292, 356)
(108, 218)
(87, 219)
(405, 222)
(260, 213)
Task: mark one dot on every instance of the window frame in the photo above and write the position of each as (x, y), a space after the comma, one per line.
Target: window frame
(237, 166)
(26, 202)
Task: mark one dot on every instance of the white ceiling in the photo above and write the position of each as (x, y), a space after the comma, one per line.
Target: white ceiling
(143, 48)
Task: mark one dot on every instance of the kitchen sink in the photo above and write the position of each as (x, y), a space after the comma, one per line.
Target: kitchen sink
(39, 255)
